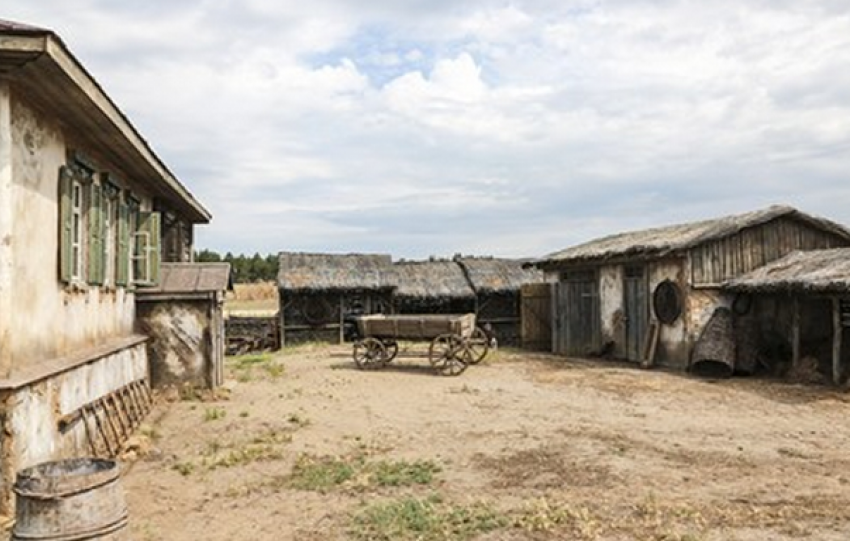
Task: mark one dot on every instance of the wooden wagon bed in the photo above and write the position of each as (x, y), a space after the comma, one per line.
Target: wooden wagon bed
(415, 327)
(455, 341)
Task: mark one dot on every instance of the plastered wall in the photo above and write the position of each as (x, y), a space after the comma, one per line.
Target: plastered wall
(31, 433)
(48, 318)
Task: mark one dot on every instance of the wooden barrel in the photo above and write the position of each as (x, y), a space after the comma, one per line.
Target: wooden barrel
(70, 500)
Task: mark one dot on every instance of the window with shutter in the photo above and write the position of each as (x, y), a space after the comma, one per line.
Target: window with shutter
(66, 224)
(111, 193)
(79, 223)
(122, 262)
(95, 240)
(147, 249)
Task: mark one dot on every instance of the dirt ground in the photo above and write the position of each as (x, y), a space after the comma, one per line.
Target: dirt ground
(522, 446)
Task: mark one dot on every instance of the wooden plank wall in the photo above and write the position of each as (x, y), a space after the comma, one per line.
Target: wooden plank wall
(536, 317)
(715, 262)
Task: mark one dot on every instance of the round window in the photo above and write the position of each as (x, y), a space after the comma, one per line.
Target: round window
(667, 302)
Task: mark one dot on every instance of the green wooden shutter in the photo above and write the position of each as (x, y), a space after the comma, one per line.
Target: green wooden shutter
(122, 265)
(155, 228)
(95, 250)
(66, 220)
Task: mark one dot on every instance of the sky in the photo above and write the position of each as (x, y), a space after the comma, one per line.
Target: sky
(514, 129)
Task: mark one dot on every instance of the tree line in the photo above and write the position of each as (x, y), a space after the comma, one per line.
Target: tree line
(244, 268)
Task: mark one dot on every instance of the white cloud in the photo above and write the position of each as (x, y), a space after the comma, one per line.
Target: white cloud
(513, 128)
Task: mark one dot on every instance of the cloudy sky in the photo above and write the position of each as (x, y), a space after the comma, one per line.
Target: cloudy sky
(420, 128)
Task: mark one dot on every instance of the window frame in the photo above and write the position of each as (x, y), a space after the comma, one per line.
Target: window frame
(111, 195)
(105, 240)
(74, 178)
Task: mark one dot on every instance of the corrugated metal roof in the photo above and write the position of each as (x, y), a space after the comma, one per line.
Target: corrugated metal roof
(661, 241)
(323, 272)
(809, 271)
(185, 278)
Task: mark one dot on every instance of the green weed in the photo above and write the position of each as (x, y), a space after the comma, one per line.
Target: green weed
(321, 474)
(324, 473)
(184, 468)
(395, 474)
(214, 414)
(428, 519)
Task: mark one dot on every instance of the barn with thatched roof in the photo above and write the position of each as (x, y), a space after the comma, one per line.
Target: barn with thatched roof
(436, 286)
(497, 284)
(796, 314)
(647, 295)
(318, 291)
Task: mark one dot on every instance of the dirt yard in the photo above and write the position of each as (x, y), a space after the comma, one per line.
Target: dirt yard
(304, 446)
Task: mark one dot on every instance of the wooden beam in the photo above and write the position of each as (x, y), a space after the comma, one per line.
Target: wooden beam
(340, 335)
(836, 341)
(795, 335)
(650, 344)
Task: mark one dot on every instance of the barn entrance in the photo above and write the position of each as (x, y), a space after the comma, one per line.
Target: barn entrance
(636, 308)
(577, 331)
(536, 317)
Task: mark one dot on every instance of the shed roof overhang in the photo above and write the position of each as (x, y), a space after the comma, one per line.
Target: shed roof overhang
(37, 62)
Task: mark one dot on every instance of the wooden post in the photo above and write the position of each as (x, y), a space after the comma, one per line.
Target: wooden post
(795, 335)
(282, 320)
(7, 252)
(836, 341)
(341, 318)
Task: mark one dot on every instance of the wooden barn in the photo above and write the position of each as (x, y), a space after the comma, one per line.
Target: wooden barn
(497, 284)
(437, 286)
(793, 315)
(318, 292)
(647, 295)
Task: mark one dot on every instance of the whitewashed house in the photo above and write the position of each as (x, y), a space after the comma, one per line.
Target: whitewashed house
(87, 213)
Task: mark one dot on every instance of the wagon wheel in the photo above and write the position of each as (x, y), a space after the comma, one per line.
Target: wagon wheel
(369, 354)
(392, 349)
(477, 345)
(446, 355)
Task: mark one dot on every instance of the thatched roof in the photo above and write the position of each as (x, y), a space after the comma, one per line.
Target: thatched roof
(492, 275)
(825, 271)
(329, 272)
(662, 241)
(432, 279)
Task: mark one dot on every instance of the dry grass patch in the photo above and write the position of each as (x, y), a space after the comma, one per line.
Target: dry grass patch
(544, 468)
(248, 367)
(424, 519)
(265, 446)
(322, 474)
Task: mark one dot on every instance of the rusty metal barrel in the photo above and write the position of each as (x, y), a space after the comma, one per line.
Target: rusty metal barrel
(70, 500)
(714, 353)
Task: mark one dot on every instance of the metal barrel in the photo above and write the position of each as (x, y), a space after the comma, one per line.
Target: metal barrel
(714, 353)
(70, 500)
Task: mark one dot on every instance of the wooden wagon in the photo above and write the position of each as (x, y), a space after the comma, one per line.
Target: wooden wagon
(455, 341)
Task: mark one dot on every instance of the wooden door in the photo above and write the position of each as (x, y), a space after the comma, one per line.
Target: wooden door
(577, 329)
(536, 317)
(636, 309)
